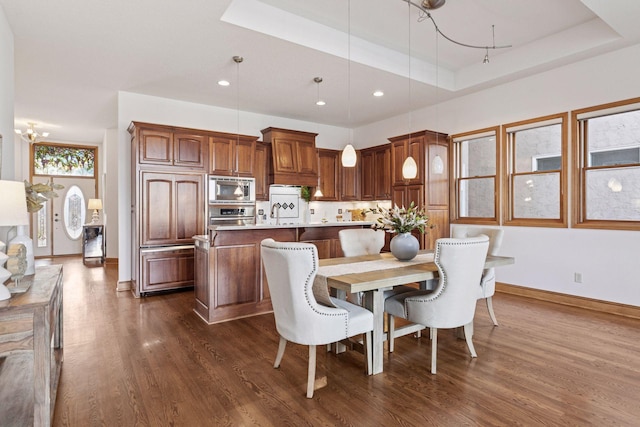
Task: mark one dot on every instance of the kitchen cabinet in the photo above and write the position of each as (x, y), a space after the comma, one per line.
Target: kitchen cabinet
(294, 156)
(167, 146)
(375, 173)
(229, 277)
(262, 170)
(170, 267)
(350, 180)
(164, 197)
(430, 189)
(232, 155)
(328, 174)
(402, 147)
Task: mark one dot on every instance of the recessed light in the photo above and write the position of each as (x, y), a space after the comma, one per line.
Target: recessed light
(378, 93)
(223, 83)
(321, 102)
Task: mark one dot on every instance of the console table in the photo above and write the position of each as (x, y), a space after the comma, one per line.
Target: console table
(93, 242)
(31, 349)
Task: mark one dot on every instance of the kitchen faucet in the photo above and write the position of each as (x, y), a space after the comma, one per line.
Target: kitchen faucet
(277, 208)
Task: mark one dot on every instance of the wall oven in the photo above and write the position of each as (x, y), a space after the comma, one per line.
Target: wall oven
(231, 190)
(234, 214)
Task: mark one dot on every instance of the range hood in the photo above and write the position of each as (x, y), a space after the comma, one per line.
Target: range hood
(294, 154)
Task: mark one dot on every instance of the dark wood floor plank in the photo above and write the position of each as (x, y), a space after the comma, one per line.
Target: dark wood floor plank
(153, 362)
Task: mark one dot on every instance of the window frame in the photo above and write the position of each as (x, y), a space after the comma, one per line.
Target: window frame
(581, 162)
(455, 166)
(508, 174)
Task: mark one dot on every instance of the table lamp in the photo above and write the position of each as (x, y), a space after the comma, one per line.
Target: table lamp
(96, 205)
(13, 213)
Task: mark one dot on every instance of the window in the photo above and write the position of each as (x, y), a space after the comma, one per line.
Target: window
(535, 172)
(476, 168)
(607, 166)
(57, 160)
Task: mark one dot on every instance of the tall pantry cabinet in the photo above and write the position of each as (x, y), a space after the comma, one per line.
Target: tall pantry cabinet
(430, 188)
(168, 171)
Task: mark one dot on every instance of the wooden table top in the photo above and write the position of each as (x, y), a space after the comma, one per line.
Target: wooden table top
(371, 280)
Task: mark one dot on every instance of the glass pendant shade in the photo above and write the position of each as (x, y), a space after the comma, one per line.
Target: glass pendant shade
(409, 168)
(349, 156)
(437, 165)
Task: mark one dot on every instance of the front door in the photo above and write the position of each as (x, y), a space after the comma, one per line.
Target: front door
(57, 228)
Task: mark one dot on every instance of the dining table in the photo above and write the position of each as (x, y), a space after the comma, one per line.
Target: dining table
(373, 274)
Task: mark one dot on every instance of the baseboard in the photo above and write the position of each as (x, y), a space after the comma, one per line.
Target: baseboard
(571, 300)
(111, 261)
(123, 286)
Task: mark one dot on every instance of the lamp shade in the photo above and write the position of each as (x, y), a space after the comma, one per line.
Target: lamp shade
(349, 156)
(14, 204)
(95, 204)
(409, 168)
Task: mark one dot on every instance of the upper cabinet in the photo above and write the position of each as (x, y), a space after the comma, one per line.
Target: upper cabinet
(403, 147)
(375, 173)
(328, 174)
(262, 170)
(294, 156)
(159, 145)
(350, 180)
(232, 155)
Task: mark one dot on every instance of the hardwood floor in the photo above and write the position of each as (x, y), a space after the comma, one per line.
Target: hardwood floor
(153, 362)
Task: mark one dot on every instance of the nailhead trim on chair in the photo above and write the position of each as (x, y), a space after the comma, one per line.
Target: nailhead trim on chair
(306, 283)
(436, 258)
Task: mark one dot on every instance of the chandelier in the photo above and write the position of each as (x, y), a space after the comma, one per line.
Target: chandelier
(31, 135)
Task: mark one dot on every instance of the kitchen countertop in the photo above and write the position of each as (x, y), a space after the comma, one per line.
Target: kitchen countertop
(306, 225)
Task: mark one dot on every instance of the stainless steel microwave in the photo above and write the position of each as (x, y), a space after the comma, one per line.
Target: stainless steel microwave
(226, 189)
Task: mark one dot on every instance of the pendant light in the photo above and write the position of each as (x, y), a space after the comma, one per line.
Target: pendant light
(409, 166)
(319, 102)
(238, 192)
(349, 153)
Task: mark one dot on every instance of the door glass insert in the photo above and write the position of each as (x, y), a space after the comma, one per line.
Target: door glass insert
(74, 212)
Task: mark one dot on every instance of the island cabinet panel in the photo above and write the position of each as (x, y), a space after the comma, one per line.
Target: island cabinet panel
(230, 281)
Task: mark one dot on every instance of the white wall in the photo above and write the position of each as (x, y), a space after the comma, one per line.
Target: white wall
(547, 258)
(7, 96)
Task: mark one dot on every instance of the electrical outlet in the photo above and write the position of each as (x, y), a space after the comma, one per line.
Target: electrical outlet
(312, 211)
(577, 277)
(260, 211)
(339, 211)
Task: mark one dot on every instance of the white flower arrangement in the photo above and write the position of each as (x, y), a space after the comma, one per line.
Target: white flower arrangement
(402, 220)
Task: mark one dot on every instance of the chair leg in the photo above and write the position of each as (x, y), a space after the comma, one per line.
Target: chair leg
(311, 374)
(391, 331)
(434, 348)
(468, 334)
(368, 352)
(490, 308)
(281, 347)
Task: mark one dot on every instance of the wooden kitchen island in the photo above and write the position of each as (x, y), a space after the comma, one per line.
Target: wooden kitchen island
(229, 279)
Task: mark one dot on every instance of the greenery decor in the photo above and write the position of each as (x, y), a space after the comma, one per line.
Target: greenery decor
(402, 220)
(305, 193)
(38, 194)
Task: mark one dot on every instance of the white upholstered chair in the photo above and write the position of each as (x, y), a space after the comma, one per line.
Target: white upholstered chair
(488, 282)
(291, 269)
(452, 304)
(365, 241)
